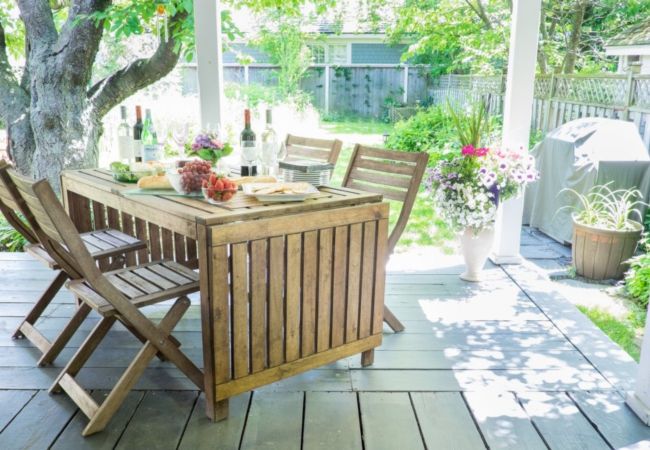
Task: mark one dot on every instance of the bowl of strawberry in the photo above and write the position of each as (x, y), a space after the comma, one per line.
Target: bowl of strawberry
(218, 188)
(189, 178)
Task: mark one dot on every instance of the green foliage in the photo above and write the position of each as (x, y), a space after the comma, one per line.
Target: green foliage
(282, 39)
(637, 279)
(608, 209)
(255, 94)
(433, 130)
(619, 331)
(472, 126)
(430, 130)
(10, 239)
(473, 35)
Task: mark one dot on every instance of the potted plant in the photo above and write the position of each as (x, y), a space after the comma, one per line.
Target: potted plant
(469, 184)
(605, 236)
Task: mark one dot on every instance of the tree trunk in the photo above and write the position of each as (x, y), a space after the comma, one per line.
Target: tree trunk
(574, 40)
(21, 143)
(64, 127)
(54, 120)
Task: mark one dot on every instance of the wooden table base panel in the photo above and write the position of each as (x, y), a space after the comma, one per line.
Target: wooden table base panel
(296, 299)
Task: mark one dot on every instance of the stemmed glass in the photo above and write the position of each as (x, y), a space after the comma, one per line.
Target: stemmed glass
(180, 133)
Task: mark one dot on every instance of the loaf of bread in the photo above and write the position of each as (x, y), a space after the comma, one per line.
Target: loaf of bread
(256, 179)
(154, 182)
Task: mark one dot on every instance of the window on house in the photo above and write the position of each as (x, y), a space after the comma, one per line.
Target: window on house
(317, 54)
(338, 54)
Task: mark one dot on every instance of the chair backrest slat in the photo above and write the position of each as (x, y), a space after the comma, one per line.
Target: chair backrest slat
(324, 150)
(395, 175)
(47, 217)
(10, 207)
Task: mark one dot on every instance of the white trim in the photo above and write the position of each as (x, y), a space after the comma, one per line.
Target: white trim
(628, 50)
(517, 115)
(209, 65)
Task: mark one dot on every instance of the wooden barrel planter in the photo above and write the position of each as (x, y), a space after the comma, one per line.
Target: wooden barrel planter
(600, 254)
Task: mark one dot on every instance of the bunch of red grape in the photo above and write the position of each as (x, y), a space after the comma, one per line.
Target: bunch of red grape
(193, 173)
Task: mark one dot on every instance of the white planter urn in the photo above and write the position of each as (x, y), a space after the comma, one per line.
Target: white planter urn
(476, 246)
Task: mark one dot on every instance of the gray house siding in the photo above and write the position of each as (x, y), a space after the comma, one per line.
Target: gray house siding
(377, 53)
(230, 57)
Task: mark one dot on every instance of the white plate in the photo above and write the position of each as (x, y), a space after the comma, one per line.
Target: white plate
(249, 187)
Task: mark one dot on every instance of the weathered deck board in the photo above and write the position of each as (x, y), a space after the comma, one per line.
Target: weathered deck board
(39, 423)
(274, 422)
(11, 403)
(560, 422)
(201, 433)
(71, 435)
(159, 420)
(503, 422)
(461, 341)
(445, 421)
(329, 421)
(615, 421)
(389, 421)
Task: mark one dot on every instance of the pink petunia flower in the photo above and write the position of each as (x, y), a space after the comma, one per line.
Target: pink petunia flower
(468, 150)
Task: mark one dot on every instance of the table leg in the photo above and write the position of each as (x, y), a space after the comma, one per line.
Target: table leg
(367, 358)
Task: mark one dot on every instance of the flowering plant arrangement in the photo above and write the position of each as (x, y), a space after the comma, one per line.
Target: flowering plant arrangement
(468, 186)
(209, 147)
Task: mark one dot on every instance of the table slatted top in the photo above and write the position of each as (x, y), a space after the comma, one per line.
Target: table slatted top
(241, 207)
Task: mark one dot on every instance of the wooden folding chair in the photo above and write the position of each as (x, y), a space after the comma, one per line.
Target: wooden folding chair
(116, 295)
(103, 245)
(324, 150)
(397, 176)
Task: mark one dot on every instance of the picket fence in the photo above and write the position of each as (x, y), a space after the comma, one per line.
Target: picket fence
(558, 98)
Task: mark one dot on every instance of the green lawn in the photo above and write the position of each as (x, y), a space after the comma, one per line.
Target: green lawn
(623, 332)
(356, 126)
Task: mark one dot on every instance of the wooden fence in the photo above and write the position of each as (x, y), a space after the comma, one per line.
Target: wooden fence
(559, 98)
(355, 89)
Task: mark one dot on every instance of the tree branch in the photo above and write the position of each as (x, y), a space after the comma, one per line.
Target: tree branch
(79, 39)
(480, 12)
(137, 75)
(39, 23)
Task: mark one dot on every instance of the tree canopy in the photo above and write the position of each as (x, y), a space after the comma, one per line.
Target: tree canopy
(472, 35)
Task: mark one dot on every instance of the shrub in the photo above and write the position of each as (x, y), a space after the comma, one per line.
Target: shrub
(637, 279)
(429, 130)
(10, 239)
(432, 130)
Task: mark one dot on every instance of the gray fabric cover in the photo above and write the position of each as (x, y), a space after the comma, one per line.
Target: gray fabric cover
(579, 155)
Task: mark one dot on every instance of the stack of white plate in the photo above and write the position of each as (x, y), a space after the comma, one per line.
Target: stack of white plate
(318, 178)
(316, 173)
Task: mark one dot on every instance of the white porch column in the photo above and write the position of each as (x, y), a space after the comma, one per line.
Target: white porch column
(518, 110)
(639, 399)
(209, 61)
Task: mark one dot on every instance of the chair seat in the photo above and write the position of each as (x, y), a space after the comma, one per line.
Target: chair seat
(143, 285)
(100, 244)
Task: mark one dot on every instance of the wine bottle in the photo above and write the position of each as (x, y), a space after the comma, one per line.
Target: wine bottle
(149, 139)
(124, 138)
(137, 134)
(270, 146)
(248, 145)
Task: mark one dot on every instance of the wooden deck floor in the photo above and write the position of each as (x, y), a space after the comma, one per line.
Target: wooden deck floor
(505, 364)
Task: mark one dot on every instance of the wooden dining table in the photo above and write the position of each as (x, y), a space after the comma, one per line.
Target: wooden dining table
(285, 287)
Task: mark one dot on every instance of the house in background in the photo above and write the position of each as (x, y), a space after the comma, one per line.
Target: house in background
(632, 47)
(338, 43)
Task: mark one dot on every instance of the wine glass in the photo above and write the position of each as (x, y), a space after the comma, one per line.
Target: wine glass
(180, 133)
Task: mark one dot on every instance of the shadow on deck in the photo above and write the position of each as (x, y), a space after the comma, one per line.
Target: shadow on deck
(507, 363)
